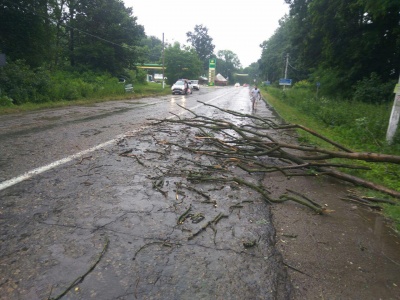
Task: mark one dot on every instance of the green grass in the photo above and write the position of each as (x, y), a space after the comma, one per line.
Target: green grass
(140, 91)
(358, 126)
(393, 213)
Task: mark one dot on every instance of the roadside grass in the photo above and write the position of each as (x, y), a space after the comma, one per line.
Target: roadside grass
(139, 91)
(357, 126)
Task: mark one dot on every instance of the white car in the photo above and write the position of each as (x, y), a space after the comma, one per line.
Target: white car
(190, 84)
(179, 87)
(195, 84)
(237, 84)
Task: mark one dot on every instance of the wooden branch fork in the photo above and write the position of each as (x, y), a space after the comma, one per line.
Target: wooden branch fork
(248, 146)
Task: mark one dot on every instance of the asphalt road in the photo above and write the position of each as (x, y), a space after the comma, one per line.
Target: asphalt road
(36, 139)
(96, 205)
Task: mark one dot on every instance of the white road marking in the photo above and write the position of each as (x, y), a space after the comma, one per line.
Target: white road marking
(37, 171)
(27, 175)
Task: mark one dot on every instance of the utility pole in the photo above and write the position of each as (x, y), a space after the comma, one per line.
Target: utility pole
(395, 115)
(287, 62)
(163, 60)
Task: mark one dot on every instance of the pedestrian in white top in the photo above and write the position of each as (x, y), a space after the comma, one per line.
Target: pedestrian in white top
(255, 95)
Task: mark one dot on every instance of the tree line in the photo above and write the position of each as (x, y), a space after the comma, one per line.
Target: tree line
(100, 35)
(68, 49)
(352, 48)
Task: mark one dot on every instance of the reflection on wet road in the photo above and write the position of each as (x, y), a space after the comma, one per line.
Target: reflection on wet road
(127, 218)
(34, 140)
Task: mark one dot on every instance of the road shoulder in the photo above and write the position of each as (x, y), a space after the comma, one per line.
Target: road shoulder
(349, 253)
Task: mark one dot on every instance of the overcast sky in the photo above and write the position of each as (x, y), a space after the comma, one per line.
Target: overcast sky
(239, 26)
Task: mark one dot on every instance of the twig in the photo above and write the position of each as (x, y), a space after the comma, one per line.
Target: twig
(209, 223)
(315, 208)
(301, 195)
(81, 278)
(163, 243)
(182, 218)
(381, 200)
(198, 192)
(295, 269)
(362, 203)
(199, 231)
(218, 218)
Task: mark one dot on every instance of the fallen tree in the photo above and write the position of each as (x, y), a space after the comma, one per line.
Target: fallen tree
(252, 147)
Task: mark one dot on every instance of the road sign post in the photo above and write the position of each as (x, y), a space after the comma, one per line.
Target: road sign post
(211, 71)
(284, 81)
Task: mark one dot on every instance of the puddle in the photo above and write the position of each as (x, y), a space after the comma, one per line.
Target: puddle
(388, 239)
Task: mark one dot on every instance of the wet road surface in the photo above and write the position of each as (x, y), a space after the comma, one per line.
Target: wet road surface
(123, 222)
(31, 140)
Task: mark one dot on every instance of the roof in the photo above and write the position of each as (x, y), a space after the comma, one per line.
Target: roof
(219, 77)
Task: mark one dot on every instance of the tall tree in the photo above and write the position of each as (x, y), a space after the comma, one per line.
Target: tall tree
(106, 36)
(202, 42)
(253, 73)
(274, 51)
(153, 49)
(57, 13)
(26, 31)
(341, 42)
(228, 63)
(181, 63)
(355, 42)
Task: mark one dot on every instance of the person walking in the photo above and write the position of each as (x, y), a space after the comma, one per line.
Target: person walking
(255, 95)
(186, 87)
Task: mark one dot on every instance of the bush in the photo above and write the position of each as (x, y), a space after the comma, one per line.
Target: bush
(22, 84)
(334, 83)
(303, 84)
(140, 76)
(363, 123)
(372, 90)
(6, 101)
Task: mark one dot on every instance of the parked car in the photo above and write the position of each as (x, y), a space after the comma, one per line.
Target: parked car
(237, 84)
(245, 85)
(195, 84)
(180, 86)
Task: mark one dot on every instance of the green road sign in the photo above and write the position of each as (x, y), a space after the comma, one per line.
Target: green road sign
(211, 77)
(212, 63)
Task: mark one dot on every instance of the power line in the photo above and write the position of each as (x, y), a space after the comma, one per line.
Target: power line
(293, 67)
